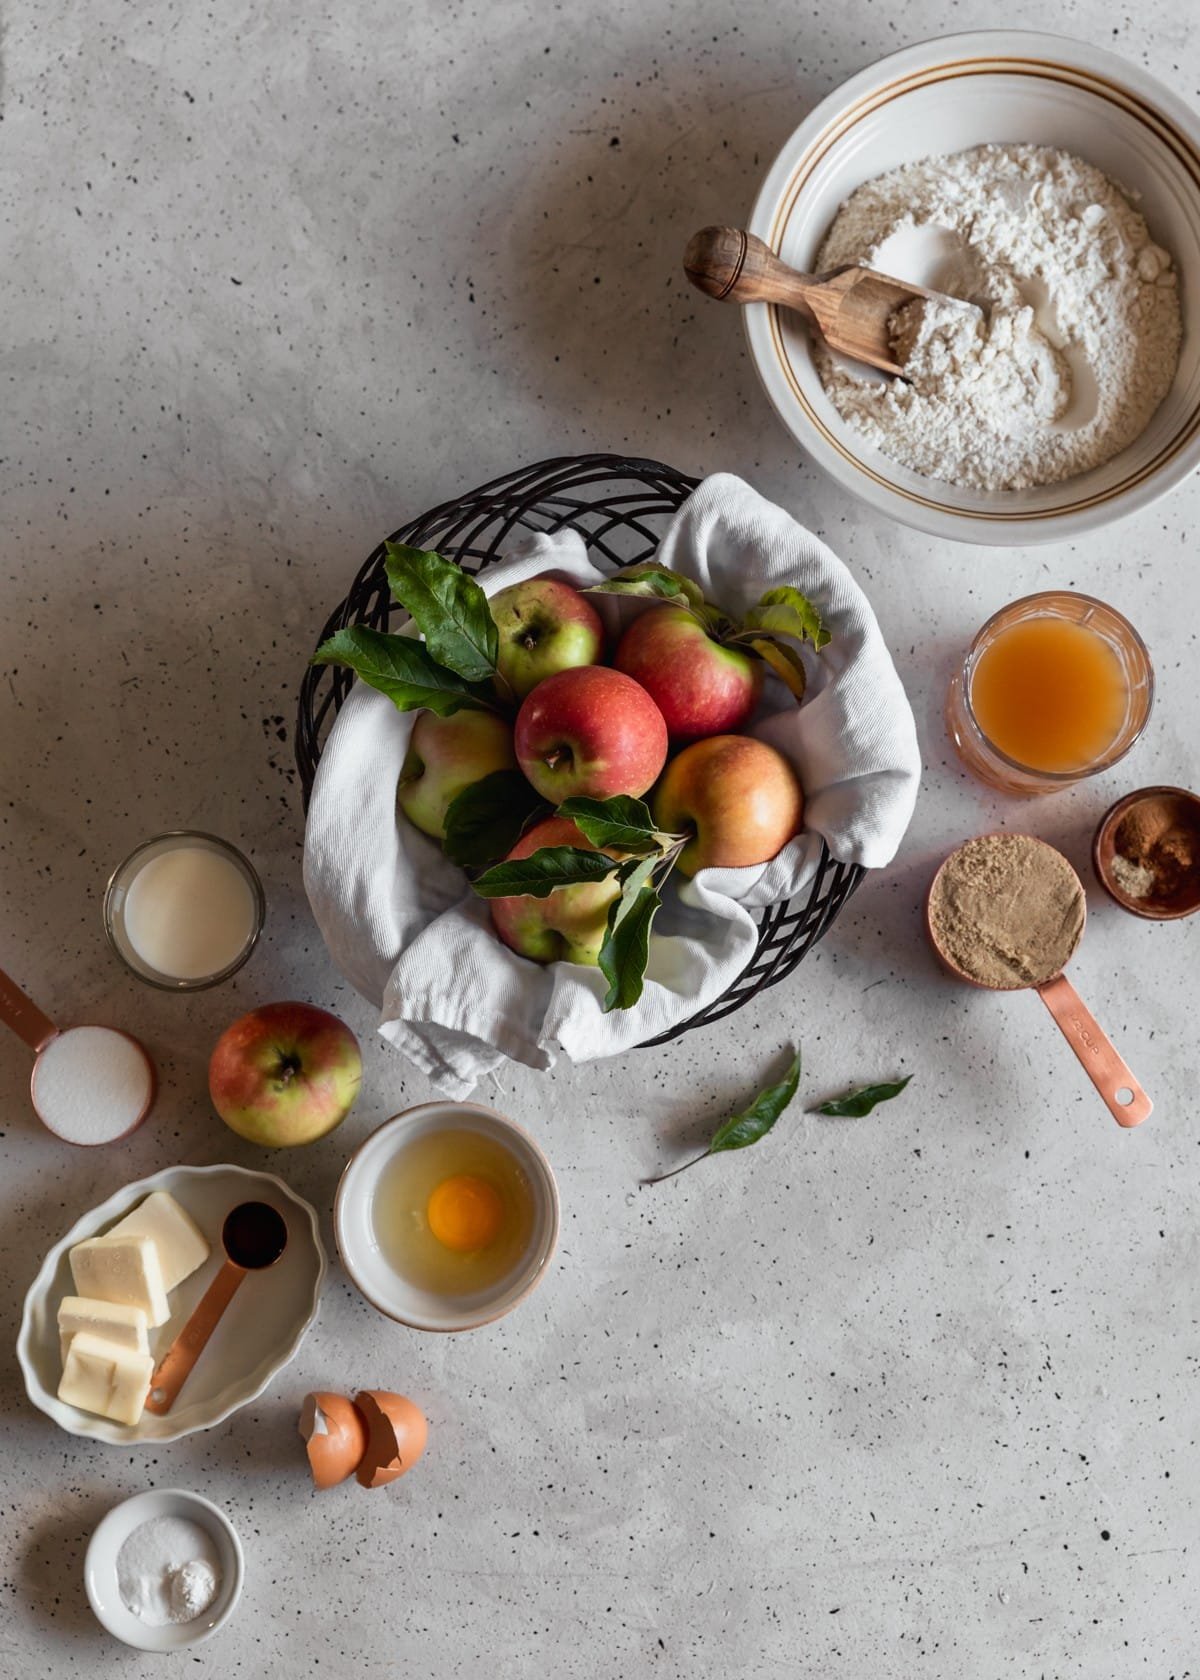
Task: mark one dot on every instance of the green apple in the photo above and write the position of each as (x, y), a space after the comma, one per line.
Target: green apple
(285, 1074)
(545, 626)
(446, 755)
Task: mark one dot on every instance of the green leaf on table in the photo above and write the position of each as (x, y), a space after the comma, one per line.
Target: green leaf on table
(753, 1123)
(485, 821)
(543, 872)
(622, 822)
(786, 612)
(403, 669)
(449, 609)
(652, 582)
(857, 1103)
(626, 948)
(748, 1126)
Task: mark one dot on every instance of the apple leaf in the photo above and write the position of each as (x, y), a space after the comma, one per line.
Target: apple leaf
(449, 609)
(857, 1103)
(783, 660)
(543, 872)
(740, 1130)
(485, 821)
(786, 612)
(652, 582)
(403, 669)
(621, 822)
(626, 947)
(753, 1123)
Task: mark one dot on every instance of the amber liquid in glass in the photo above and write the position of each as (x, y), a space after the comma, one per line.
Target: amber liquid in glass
(1050, 694)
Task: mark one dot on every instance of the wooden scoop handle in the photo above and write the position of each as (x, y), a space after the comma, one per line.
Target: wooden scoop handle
(727, 262)
(23, 1015)
(1106, 1070)
(175, 1367)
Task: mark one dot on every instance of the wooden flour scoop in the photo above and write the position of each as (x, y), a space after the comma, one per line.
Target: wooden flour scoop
(851, 307)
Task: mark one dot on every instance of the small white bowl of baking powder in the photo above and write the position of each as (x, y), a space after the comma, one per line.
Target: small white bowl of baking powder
(1003, 89)
(164, 1570)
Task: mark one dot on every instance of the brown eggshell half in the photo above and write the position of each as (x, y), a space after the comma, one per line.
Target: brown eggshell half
(396, 1436)
(335, 1436)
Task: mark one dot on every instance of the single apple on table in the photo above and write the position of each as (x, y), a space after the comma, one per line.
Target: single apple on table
(445, 756)
(285, 1074)
(570, 923)
(737, 796)
(545, 626)
(591, 731)
(700, 687)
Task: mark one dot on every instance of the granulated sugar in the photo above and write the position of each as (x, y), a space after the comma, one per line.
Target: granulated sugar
(1067, 336)
(92, 1084)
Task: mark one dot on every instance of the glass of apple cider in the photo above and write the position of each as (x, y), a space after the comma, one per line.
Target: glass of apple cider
(1055, 687)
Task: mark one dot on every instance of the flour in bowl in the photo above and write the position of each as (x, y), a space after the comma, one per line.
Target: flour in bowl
(1065, 340)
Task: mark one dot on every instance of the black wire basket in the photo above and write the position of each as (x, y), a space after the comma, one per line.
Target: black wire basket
(620, 506)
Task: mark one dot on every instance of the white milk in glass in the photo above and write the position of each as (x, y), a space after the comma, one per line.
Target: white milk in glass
(189, 912)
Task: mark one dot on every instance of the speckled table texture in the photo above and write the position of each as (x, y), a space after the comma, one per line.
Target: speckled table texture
(909, 1395)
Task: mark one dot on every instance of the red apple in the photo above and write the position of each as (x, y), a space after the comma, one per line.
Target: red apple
(446, 755)
(590, 731)
(570, 923)
(285, 1074)
(545, 626)
(700, 687)
(739, 797)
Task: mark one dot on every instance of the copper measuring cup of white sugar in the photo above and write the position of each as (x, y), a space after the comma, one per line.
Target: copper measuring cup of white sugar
(1120, 1091)
(89, 1084)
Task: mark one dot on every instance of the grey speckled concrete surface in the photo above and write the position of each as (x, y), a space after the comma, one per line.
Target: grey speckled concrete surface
(914, 1395)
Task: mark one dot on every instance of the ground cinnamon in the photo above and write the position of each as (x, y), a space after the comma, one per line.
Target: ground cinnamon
(1157, 852)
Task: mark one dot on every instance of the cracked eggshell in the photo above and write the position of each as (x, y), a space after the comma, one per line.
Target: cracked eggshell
(334, 1432)
(396, 1435)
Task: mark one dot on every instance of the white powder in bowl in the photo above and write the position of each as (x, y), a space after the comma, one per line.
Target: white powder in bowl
(92, 1084)
(1074, 338)
(168, 1570)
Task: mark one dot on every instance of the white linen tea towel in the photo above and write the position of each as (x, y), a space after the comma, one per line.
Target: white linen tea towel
(403, 925)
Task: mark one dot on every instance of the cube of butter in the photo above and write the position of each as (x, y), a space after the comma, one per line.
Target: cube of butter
(110, 1320)
(106, 1378)
(179, 1240)
(121, 1269)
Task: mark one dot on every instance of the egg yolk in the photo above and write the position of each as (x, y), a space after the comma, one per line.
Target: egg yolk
(465, 1213)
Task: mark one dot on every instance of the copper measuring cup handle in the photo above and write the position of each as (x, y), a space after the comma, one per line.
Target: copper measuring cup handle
(175, 1367)
(23, 1015)
(1103, 1066)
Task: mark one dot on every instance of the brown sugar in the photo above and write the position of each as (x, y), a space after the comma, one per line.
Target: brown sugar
(1007, 910)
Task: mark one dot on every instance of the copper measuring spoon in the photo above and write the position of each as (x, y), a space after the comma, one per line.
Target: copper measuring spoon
(253, 1236)
(35, 1029)
(1121, 1093)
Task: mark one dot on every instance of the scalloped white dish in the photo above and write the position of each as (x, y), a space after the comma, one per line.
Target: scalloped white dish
(259, 1333)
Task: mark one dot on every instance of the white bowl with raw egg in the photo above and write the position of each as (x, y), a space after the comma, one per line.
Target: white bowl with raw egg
(949, 95)
(447, 1216)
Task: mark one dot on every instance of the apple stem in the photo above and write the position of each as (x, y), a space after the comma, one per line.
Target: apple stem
(560, 755)
(694, 1162)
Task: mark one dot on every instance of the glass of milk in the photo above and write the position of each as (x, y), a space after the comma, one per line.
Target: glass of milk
(184, 910)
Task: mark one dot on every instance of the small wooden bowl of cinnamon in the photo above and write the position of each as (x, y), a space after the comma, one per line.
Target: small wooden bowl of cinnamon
(1147, 853)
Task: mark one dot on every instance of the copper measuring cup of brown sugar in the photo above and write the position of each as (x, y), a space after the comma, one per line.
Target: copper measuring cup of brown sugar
(1121, 1092)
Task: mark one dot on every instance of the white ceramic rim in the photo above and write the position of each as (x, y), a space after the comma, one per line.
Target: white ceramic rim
(976, 52)
(110, 1534)
(351, 1194)
(70, 1418)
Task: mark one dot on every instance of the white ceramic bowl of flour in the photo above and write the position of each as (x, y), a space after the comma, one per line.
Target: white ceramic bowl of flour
(108, 1573)
(993, 87)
